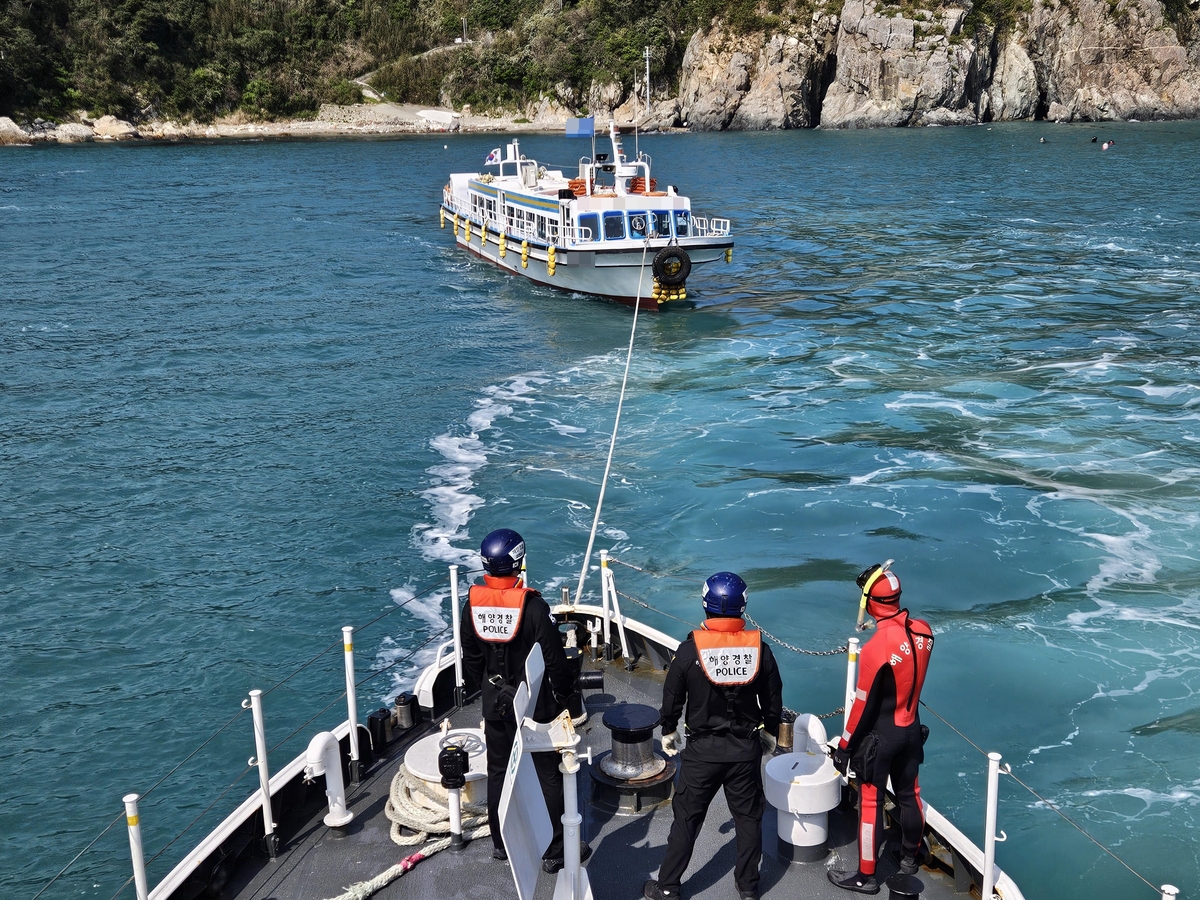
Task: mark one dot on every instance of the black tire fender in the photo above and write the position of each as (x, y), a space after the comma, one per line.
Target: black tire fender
(672, 266)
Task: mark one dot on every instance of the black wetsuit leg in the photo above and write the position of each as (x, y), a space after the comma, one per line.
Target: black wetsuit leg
(904, 769)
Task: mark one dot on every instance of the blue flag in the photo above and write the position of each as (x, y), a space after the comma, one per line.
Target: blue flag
(581, 127)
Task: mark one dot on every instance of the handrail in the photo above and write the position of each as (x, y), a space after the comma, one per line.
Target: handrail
(424, 591)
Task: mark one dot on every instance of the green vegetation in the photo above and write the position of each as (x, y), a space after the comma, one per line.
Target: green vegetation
(1000, 15)
(282, 58)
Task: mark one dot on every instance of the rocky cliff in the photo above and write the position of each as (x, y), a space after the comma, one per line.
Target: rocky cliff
(875, 64)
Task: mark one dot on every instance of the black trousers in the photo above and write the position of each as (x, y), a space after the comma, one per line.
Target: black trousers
(499, 735)
(697, 785)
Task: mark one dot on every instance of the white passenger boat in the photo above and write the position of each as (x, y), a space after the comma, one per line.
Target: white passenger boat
(609, 231)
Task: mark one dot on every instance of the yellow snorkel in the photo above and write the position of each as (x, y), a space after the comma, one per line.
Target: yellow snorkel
(865, 581)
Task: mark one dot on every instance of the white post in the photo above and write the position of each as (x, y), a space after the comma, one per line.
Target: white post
(351, 701)
(989, 828)
(1169, 892)
(604, 603)
(571, 821)
(607, 575)
(456, 619)
(135, 846)
(264, 773)
(454, 799)
(851, 678)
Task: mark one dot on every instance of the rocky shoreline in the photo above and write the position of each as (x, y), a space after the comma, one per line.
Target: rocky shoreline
(362, 120)
(865, 64)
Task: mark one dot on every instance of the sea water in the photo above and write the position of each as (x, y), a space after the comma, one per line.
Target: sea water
(251, 393)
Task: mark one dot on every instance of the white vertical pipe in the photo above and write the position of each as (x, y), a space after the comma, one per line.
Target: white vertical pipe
(989, 828)
(571, 821)
(351, 698)
(1169, 892)
(607, 575)
(260, 760)
(135, 846)
(851, 678)
(454, 800)
(456, 619)
(604, 603)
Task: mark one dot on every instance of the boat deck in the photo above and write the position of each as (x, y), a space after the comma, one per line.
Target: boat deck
(317, 862)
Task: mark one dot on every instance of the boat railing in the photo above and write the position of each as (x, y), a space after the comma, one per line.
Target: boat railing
(706, 227)
(571, 234)
(994, 884)
(979, 861)
(269, 784)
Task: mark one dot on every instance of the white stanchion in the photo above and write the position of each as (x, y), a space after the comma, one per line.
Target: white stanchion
(254, 704)
(989, 828)
(604, 603)
(351, 702)
(456, 620)
(851, 678)
(135, 846)
(1169, 892)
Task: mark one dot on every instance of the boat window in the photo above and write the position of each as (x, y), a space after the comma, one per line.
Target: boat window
(683, 221)
(637, 224)
(591, 222)
(614, 226)
(541, 227)
(660, 223)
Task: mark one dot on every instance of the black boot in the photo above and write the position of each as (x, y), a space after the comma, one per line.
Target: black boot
(653, 891)
(855, 881)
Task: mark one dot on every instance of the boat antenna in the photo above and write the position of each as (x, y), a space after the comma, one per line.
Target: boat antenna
(612, 444)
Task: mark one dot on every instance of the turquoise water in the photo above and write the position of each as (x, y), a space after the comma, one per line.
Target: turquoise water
(251, 393)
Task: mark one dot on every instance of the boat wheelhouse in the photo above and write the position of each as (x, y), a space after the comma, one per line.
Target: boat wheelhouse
(608, 231)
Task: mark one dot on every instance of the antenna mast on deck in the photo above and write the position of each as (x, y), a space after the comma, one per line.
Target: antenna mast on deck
(647, 55)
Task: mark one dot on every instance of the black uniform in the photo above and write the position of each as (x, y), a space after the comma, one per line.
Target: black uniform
(485, 659)
(723, 750)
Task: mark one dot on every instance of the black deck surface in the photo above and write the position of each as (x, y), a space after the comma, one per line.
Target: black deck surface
(320, 862)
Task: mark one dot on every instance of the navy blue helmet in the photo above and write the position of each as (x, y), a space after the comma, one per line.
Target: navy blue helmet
(725, 595)
(502, 552)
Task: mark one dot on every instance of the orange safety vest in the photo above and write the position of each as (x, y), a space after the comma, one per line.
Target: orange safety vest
(729, 655)
(496, 612)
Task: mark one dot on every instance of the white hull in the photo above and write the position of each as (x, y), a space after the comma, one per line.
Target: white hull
(623, 275)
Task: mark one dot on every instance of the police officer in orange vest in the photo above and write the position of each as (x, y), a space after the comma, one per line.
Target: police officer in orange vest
(501, 621)
(725, 683)
(884, 735)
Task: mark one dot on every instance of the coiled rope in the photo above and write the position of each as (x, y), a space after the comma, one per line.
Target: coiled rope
(405, 811)
(612, 444)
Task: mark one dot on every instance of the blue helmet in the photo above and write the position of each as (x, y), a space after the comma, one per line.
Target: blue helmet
(502, 552)
(725, 595)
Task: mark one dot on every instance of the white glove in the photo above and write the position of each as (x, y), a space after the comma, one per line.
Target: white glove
(768, 740)
(670, 743)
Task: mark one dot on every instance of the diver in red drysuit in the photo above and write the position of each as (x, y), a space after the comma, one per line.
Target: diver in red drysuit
(884, 735)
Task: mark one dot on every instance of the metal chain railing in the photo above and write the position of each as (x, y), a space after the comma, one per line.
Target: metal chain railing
(837, 651)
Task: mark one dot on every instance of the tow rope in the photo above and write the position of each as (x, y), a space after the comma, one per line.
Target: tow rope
(612, 444)
(405, 811)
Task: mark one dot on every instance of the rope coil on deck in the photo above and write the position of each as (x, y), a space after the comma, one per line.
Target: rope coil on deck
(405, 811)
